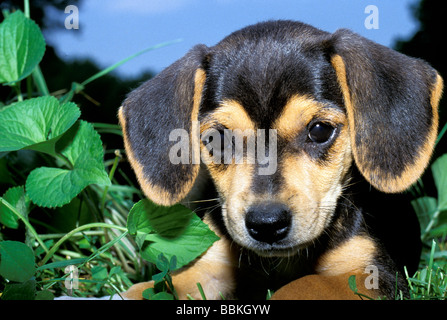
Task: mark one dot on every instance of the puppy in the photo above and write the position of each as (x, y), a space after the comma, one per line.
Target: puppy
(317, 108)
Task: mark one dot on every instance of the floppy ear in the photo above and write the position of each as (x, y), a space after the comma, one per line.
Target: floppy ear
(169, 101)
(391, 102)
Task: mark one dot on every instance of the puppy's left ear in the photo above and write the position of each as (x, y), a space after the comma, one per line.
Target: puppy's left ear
(170, 101)
(391, 102)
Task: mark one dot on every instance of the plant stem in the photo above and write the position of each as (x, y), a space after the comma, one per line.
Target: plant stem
(26, 8)
(26, 222)
(29, 87)
(58, 235)
(40, 81)
(19, 93)
(430, 224)
(74, 231)
(111, 174)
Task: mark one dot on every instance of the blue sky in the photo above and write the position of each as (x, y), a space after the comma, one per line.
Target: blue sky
(111, 30)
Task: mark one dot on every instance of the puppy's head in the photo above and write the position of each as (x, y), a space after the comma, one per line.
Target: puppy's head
(278, 112)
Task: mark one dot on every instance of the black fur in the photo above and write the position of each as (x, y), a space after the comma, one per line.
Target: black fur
(262, 67)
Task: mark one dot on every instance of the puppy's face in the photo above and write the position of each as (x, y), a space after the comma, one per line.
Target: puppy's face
(284, 110)
(279, 164)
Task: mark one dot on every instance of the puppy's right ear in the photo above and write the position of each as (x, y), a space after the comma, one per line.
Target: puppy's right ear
(169, 101)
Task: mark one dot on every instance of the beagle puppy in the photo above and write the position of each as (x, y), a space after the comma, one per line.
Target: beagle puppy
(280, 117)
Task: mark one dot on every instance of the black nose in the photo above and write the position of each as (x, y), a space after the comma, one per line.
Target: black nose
(268, 222)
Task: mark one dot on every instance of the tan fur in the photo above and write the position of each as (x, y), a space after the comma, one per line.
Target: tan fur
(333, 271)
(312, 189)
(321, 287)
(411, 172)
(153, 192)
(214, 270)
(232, 115)
(299, 111)
(350, 257)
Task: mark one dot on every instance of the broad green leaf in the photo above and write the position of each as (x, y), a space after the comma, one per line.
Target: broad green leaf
(162, 296)
(22, 47)
(424, 207)
(195, 240)
(99, 273)
(16, 261)
(173, 231)
(16, 197)
(439, 169)
(44, 295)
(147, 217)
(70, 216)
(20, 291)
(55, 187)
(35, 124)
(151, 294)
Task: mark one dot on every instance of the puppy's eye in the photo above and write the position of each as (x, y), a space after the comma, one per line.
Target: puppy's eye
(320, 132)
(218, 142)
(216, 139)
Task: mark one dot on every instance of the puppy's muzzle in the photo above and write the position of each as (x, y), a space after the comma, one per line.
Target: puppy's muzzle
(268, 222)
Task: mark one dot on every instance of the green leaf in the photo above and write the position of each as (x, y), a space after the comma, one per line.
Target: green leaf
(173, 231)
(35, 124)
(424, 207)
(99, 273)
(16, 197)
(439, 170)
(149, 293)
(55, 187)
(162, 296)
(44, 295)
(62, 264)
(70, 216)
(352, 284)
(20, 291)
(195, 240)
(148, 217)
(16, 261)
(22, 47)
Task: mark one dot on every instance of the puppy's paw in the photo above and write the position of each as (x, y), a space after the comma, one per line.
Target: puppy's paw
(318, 287)
(136, 291)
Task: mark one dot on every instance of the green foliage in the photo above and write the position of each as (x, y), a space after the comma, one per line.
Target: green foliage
(62, 200)
(163, 288)
(17, 263)
(17, 197)
(156, 234)
(430, 281)
(36, 124)
(54, 187)
(22, 47)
